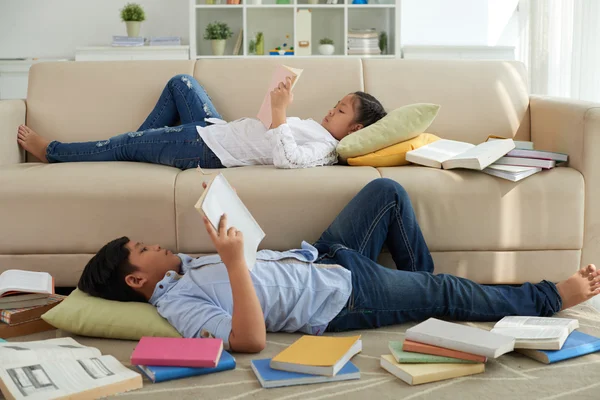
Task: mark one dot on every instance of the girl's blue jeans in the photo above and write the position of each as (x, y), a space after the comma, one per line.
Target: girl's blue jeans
(168, 136)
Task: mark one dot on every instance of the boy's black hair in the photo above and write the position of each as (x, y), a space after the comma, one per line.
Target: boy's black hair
(104, 275)
(368, 109)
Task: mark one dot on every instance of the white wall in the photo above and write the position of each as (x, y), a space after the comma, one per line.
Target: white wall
(54, 28)
(459, 22)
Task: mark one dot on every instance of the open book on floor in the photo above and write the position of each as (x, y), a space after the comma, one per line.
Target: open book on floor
(543, 333)
(282, 72)
(20, 289)
(219, 198)
(449, 154)
(61, 368)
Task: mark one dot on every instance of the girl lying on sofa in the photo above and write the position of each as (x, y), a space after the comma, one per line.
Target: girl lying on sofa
(203, 139)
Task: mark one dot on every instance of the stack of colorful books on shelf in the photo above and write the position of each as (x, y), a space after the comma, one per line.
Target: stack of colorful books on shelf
(163, 359)
(363, 42)
(309, 360)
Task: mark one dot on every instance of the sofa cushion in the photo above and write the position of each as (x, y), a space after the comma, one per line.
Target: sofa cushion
(401, 124)
(395, 155)
(290, 205)
(238, 88)
(466, 210)
(85, 315)
(76, 208)
(477, 98)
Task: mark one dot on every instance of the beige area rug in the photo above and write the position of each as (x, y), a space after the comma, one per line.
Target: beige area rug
(511, 376)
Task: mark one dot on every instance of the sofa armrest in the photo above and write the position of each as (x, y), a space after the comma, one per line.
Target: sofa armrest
(12, 114)
(573, 127)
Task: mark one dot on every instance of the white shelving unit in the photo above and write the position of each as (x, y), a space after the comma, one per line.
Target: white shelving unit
(278, 20)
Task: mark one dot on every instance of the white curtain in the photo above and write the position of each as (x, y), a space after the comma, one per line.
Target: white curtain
(560, 44)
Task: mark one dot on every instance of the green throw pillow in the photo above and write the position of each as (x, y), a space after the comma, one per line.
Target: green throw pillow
(85, 315)
(402, 124)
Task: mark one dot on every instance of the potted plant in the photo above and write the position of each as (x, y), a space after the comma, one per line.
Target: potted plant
(326, 47)
(133, 14)
(313, 1)
(252, 47)
(383, 42)
(260, 44)
(218, 32)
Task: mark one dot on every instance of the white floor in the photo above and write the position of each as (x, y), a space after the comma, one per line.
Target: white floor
(595, 302)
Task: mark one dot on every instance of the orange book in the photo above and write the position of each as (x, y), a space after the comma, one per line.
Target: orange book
(422, 348)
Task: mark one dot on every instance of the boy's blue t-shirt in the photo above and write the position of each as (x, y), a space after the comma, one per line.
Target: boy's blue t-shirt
(295, 293)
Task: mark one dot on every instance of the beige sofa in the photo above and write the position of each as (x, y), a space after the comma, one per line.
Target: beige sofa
(54, 217)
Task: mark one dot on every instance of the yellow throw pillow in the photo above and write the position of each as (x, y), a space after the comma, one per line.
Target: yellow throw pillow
(394, 155)
(399, 125)
(85, 315)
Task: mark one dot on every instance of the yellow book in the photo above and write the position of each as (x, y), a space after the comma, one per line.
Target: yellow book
(416, 374)
(317, 355)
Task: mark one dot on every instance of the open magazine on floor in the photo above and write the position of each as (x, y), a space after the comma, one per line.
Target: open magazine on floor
(61, 368)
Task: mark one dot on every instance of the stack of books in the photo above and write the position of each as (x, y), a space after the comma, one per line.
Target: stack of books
(165, 41)
(127, 41)
(363, 42)
(164, 359)
(436, 350)
(310, 360)
(28, 320)
(24, 297)
(503, 158)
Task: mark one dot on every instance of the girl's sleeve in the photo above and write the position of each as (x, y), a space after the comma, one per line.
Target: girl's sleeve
(288, 154)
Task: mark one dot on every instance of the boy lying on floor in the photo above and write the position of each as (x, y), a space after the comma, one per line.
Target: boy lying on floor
(333, 285)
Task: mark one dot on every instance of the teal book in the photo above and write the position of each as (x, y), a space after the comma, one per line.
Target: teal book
(577, 344)
(2, 340)
(406, 357)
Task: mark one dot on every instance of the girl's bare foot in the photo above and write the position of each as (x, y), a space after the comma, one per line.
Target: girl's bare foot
(32, 142)
(581, 286)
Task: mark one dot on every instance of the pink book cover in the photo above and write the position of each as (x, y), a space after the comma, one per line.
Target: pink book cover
(177, 352)
(280, 75)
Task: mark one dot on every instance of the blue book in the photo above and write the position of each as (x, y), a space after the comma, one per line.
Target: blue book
(161, 374)
(272, 378)
(2, 340)
(577, 344)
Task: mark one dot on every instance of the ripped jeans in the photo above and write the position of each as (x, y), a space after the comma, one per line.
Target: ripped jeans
(159, 140)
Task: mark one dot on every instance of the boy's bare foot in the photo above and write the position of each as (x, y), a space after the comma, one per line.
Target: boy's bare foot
(581, 286)
(32, 142)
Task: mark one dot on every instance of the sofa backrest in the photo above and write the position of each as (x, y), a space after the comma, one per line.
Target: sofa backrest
(78, 101)
(477, 98)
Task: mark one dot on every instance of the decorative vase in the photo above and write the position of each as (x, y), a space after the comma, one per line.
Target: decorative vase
(326, 49)
(218, 47)
(133, 28)
(313, 1)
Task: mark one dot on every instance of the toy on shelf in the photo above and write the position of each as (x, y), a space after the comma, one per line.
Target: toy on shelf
(284, 49)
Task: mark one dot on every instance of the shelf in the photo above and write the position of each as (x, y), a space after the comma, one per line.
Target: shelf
(219, 6)
(270, 6)
(371, 6)
(296, 57)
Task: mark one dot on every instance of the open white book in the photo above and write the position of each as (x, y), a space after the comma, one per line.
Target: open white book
(542, 333)
(450, 154)
(24, 288)
(219, 198)
(59, 369)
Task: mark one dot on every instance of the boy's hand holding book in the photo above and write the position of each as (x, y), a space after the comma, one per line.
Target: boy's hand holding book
(229, 243)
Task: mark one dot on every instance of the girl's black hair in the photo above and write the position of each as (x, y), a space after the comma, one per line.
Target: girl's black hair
(368, 109)
(104, 275)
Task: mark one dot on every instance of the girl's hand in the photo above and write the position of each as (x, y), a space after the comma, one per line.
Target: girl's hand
(281, 96)
(228, 242)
